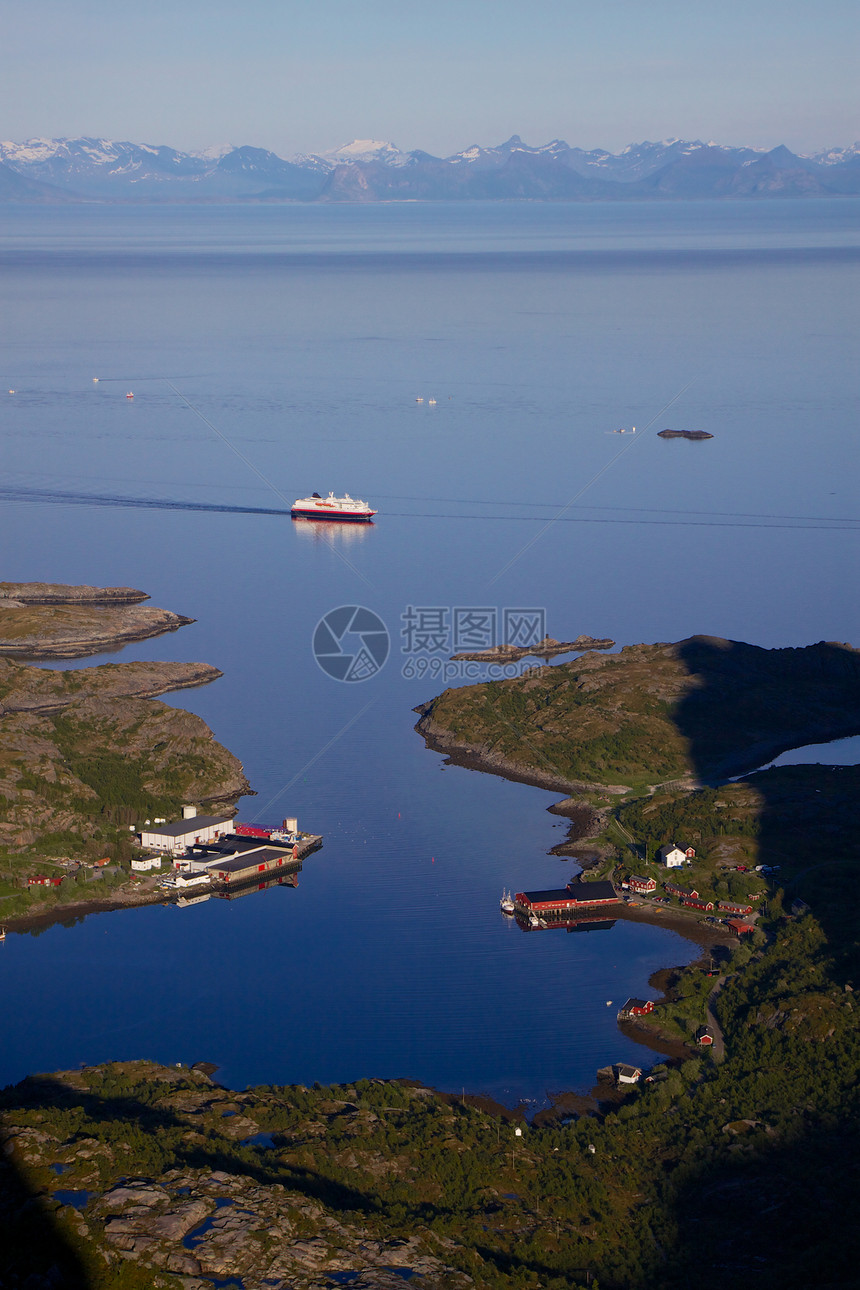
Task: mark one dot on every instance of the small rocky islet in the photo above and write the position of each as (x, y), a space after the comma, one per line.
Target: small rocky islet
(43, 620)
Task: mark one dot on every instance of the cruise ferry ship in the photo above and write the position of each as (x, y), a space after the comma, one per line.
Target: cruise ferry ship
(331, 508)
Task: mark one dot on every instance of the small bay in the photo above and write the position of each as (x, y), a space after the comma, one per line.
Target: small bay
(275, 351)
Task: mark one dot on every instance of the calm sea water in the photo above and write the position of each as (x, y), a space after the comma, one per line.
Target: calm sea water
(301, 338)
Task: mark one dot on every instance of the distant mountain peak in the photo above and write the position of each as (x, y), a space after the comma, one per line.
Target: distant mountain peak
(93, 168)
(364, 150)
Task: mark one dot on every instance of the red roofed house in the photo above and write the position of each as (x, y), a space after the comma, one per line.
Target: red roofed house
(739, 927)
(642, 885)
(704, 1036)
(683, 893)
(636, 1008)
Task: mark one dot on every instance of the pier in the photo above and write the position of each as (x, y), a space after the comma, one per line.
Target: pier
(247, 860)
(566, 904)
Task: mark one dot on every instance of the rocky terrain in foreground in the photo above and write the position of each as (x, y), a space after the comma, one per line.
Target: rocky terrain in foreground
(235, 1185)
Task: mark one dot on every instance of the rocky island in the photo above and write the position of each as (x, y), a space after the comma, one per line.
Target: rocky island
(49, 620)
(86, 755)
(694, 711)
(549, 647)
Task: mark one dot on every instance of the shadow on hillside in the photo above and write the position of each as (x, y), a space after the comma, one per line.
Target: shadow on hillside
(34, 1251)
(770, 1211)
(748, 706)
(37, 1251)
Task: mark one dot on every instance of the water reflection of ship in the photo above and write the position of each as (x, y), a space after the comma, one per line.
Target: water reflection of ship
(234, 892)
(326, 534)
(595, 924)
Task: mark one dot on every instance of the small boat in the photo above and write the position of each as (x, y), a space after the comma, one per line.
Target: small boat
(331, 508)
(95, 380)
(431, 403)
(419, 399)
(130, 395)
(2, 933)
(506, 904)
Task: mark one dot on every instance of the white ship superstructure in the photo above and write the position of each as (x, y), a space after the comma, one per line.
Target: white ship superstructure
(332, 508)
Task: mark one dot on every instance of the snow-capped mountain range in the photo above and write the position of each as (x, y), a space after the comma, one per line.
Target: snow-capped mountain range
(62, 170)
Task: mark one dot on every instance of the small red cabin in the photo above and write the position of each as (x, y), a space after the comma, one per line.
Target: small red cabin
(731, 908)
(695, 902)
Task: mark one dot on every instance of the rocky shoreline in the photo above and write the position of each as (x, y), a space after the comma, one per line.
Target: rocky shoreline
(480, 757)
(58, 593)
(89, 752)
(549, 647)
(46, 620)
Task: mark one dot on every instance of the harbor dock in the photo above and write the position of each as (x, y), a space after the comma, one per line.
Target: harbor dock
(250, 858)
(578, 901)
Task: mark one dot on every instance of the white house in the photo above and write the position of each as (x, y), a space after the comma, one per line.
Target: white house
(191, 830)
(142, 864)
(673, 856)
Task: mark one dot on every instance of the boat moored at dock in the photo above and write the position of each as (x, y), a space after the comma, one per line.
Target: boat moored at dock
(332, 508)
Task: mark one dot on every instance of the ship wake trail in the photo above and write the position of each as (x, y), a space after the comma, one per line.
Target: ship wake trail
(12, 493)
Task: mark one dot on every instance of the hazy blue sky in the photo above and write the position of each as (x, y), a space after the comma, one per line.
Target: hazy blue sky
(435, 74)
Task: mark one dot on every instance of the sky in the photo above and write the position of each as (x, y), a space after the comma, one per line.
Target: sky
(433, 74)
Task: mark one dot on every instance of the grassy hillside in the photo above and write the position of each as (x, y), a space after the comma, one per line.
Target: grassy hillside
(82, 758)
(701, 708)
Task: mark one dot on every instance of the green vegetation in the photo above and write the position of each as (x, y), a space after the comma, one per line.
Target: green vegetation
(708, 1166)
(700, 708)
(83, 757)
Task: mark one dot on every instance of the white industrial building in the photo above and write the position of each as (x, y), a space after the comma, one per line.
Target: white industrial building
(191, 830)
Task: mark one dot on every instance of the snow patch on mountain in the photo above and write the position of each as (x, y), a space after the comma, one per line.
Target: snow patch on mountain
(367, 150)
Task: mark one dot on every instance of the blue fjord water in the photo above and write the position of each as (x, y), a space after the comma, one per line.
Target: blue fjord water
(274, 351)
